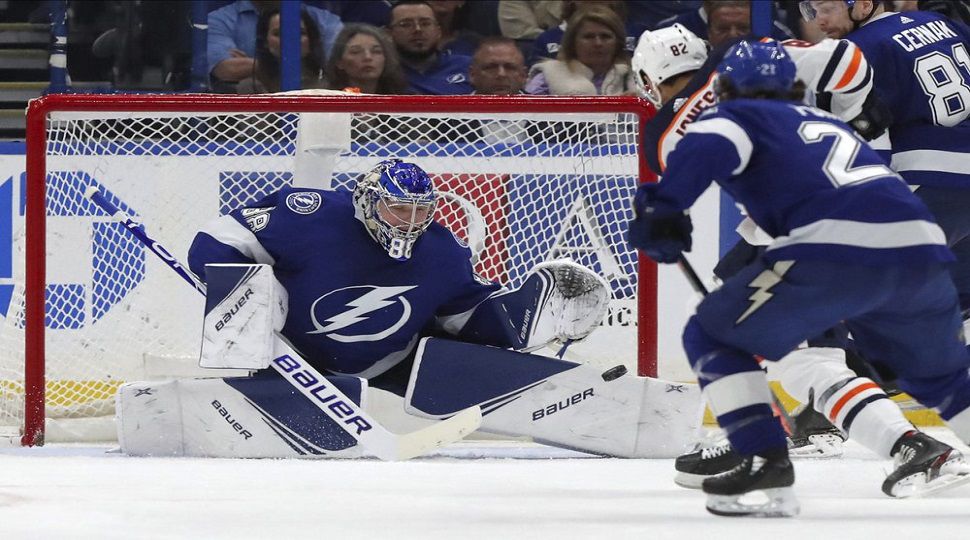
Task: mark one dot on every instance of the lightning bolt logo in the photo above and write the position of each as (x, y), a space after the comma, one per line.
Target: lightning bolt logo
(763, 283)
(374, 299)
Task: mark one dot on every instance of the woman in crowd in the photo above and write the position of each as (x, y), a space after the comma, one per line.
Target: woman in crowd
(266, 64)
(591, 60)
(363, 58)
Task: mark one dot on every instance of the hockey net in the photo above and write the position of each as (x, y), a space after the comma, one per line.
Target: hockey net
(524, 180)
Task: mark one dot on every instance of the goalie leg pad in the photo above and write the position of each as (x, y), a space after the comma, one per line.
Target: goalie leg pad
(246, 417)
(555, 402)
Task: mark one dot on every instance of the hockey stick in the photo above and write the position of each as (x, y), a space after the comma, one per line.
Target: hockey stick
(701, 289)
(308, 381)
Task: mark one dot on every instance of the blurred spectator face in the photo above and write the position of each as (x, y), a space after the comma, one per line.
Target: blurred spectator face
(832, 17)
(726, 23)
(273, 38)
(596, 46)
(414, 30)
(445, 8)
(363, 59)
(498, 70)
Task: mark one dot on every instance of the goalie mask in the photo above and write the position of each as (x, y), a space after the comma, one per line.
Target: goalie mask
(663, 54)
(396, 201)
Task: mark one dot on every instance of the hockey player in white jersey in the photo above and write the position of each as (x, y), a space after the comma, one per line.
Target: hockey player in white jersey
(850, 244)
(364, 285)
(677, 74)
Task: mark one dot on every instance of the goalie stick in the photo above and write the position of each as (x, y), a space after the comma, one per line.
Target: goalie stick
(695, 282)
(308, 381)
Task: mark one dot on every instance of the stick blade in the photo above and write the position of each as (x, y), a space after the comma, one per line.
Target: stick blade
(448, 431)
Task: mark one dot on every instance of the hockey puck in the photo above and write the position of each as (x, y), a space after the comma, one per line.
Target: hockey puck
(614, 373)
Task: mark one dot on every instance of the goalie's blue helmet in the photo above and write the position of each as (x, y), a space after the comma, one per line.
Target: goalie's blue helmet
(755, 66)
(396, 201)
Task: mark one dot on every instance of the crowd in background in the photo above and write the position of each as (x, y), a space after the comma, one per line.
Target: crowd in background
(543, 47)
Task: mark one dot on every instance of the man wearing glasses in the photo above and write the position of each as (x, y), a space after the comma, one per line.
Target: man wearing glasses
(416, 34)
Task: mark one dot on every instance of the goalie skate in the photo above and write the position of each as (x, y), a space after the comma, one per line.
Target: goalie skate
(758, 487)
(924, 465)
(814, 436)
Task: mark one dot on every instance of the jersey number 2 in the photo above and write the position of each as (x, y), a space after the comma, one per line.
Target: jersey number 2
(838, 164)
(945, 84)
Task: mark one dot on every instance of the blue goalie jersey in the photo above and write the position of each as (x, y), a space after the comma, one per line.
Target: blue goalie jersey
(352, 309)
(921, 64)
(807, 180)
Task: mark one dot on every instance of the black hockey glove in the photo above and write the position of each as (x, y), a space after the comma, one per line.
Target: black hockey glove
(661, 236)
(874, 119)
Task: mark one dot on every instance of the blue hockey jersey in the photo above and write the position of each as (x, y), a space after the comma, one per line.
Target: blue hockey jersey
(806, 179)
(352, 309)
(921, 63)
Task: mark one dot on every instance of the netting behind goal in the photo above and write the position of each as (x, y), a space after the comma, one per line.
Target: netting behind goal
(524, 180)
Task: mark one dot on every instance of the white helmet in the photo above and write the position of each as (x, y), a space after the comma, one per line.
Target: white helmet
(664, 53)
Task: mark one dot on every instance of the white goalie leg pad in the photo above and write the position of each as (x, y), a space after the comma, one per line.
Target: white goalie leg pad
(555, 402)
(244, 305)
(210, 418)
(571, 306)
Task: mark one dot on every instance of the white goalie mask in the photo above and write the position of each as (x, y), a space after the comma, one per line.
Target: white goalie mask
(665, 53)
(396, 201)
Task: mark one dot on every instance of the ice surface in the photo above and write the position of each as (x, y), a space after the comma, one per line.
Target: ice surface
(487, 489)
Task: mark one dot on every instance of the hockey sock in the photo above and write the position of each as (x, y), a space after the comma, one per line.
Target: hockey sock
(860, 408)
(737, 392)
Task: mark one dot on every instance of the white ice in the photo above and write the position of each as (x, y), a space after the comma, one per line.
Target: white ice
(494, 490)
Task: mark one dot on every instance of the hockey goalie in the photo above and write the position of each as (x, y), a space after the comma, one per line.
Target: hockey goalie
(383, 300)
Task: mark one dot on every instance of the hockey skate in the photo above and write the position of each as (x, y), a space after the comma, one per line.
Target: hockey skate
(760, 486)
(693, 467)
(814, 436)
(924, 465)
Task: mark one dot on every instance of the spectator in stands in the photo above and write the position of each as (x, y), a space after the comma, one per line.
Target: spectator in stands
(719, 21)
(374, 12)
(592, 59)
(415, 33)
(498, 67)
(548, 42)
(266, 68)
(364, 58)
(648, 13)
(454, 38)
(526, 19)
(232, 38)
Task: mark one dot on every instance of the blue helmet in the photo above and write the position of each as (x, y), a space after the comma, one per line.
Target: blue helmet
(396, 201)
(753, 66)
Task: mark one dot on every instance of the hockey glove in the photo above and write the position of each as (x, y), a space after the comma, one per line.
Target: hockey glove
(874, 119)
(661, 236)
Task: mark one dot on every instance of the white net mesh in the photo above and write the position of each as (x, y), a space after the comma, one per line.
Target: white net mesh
(522, 188)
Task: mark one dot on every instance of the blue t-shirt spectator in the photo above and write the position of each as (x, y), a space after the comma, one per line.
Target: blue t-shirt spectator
(447, 76)
(373, 12)
(234, 27)
(649, 13)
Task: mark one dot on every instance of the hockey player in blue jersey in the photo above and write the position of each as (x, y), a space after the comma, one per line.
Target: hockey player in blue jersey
(836, 387)
(850, 243)
(363, 285)
(921, 66)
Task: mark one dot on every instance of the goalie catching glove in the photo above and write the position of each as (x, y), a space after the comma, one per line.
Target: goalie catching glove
(573, 302)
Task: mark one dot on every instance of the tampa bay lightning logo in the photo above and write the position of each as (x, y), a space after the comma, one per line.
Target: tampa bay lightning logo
(455, 78)
(304, 202)
(343, 308)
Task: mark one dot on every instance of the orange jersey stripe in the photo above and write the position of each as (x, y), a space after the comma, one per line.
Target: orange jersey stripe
(676, 120)
(851, 70)
(837, 408)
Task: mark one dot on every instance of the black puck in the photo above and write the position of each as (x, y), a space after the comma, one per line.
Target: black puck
(614, 373)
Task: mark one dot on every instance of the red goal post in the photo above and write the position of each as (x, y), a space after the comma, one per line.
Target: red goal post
(524, 179)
